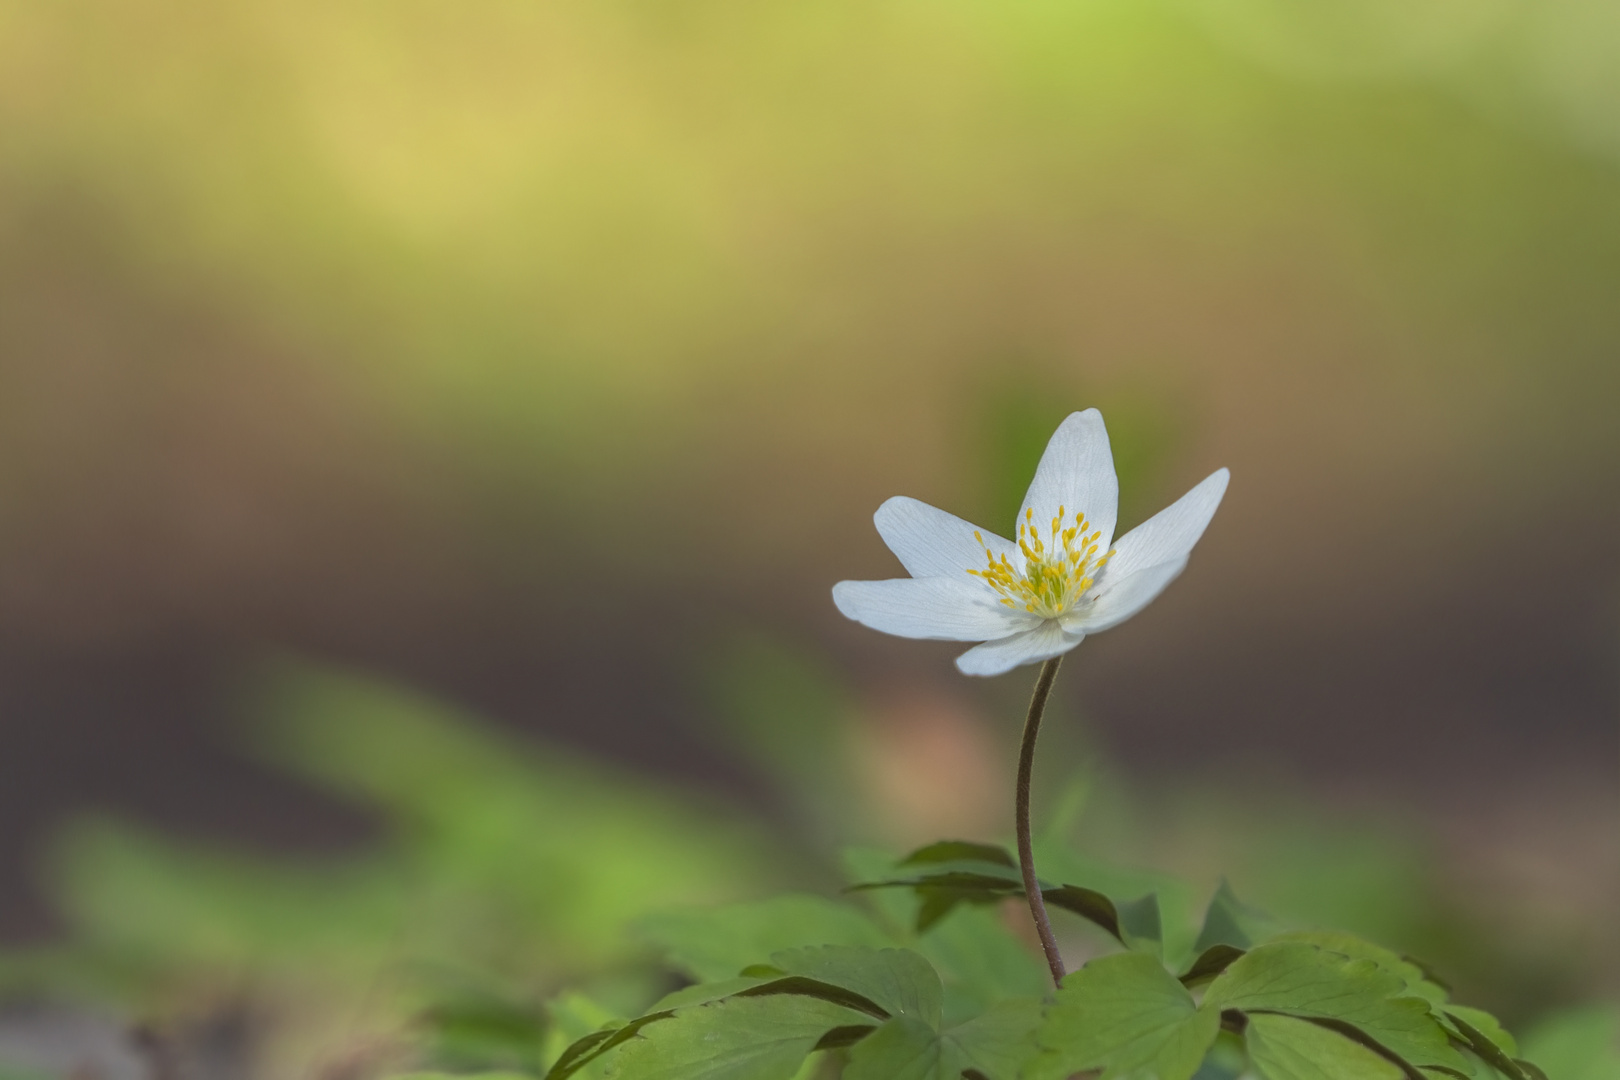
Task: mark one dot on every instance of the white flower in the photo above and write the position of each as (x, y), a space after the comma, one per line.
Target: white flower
(1039, 597)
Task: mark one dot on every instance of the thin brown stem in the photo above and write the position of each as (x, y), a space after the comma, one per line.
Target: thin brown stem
(1026, 851)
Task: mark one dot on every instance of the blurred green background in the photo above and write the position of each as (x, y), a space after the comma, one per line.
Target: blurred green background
(549, 359)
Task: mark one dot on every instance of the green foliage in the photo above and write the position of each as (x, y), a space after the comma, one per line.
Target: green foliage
(902, 983)
(1125, 1015)
(763, 1038)
(1296, 1005)
(1286, 1048)
(507, 875)
(887, 1004)
(1308, 981)
(953, 872)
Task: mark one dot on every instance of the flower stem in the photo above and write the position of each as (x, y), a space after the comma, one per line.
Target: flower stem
(1026, 851)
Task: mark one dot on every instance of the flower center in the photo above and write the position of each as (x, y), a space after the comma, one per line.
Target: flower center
(1057, 571)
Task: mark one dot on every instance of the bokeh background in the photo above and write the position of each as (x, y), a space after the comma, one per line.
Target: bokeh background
(547, 360)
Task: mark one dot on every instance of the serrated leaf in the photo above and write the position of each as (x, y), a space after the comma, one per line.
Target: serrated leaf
(900, 981)
(1486, 1024)
(1000, 1041)
(758, 1038)
(904, 1049)
(717, 943)
(1286, 1048)
(1418, 981)
(994, 1046)
(1229, 921)
(1126, 1015)
(960, 850)
(1305, 980)
(1485, 1047)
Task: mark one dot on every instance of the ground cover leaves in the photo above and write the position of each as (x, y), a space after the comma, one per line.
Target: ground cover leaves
(1288, 1048)
(758, 1038)
(1302, 979)
(1300, 1006)
(992, 1046)
(887, 1004)
(1126, 1015)
(956, 872)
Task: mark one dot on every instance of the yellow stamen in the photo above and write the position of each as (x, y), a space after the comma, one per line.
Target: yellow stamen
(1049, 583)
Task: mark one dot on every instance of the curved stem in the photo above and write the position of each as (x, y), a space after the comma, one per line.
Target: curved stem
(1026, 851)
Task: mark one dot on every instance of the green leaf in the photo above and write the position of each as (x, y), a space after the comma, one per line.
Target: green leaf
(994, 1046)
(1229, 921)
(1126, 1015)
(1089, 904)
(946, 885)
(718, 943)
(960, 851)
(1486, 1024)
(981, 962)
(1580, 1044)
(703, 993)
(956, 872)
(1419, 983)
(1210, 963)
(1305, 980)
(803, 986)
(693, 999)
(999, 1042)
(743, 1038)
(573, 1016)
(904, 1049)
(901, 982)
(1485, 1047)
(597, 1043)
(1285, 1048)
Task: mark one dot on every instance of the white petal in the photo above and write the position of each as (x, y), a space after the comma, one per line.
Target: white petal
(1120, 598)
(1031, 647)
(1171, 533)
(933, 607)
(931, 543)
(1077, 474)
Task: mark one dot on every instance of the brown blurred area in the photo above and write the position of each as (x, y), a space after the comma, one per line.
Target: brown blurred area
(519, 359)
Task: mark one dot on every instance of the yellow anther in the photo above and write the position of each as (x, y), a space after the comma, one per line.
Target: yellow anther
(1053, 578)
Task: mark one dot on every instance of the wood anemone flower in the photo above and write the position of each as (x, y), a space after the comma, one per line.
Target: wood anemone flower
(1038, 596)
